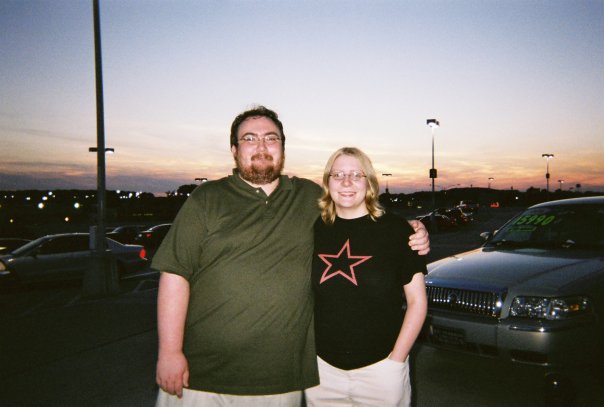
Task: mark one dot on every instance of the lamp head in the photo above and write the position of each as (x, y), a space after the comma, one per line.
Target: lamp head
(432, 123)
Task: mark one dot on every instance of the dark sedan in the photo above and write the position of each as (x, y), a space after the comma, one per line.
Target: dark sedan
(125, 234)
(152, 237)
(533, 294)
(64, 257)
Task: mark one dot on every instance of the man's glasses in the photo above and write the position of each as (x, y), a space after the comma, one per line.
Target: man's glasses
(269, 139)
(353, 175)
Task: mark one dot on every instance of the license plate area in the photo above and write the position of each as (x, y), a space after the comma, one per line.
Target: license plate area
(447, 336)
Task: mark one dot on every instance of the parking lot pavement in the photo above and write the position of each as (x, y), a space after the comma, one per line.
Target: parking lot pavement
(452, 379)
(59, 349)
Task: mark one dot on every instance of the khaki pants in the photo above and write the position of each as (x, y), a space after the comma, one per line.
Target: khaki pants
(383, 384)
(195, 398)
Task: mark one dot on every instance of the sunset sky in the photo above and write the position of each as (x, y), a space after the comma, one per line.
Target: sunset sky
(508, 81)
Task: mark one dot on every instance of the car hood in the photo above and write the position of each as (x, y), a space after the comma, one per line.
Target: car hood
(546, 270)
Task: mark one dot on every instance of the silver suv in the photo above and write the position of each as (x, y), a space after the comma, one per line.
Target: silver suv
(532, 294)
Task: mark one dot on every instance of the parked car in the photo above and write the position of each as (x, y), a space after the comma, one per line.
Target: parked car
(152, 237)
(125, 234)
(468, 206)
(532, 294)
(8, 244)
(443, 222)
(461, 217)
(64, 257)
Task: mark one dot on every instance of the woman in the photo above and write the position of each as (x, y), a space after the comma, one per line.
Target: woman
(363, 336)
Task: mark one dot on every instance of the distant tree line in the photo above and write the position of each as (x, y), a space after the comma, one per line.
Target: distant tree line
(32, 213)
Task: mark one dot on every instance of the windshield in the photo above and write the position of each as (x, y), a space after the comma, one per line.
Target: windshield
(28, 246)
(570, 226)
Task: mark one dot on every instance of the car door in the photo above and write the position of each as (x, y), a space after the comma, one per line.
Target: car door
(58, 258)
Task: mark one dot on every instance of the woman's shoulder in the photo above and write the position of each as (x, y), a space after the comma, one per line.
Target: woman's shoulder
(389, 219)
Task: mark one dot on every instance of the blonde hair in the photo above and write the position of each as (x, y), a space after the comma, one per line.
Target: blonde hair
(326, 204)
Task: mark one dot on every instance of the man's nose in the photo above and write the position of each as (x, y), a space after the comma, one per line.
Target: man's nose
(262, 144)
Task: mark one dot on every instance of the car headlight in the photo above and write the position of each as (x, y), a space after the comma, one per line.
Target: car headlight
(550, 308)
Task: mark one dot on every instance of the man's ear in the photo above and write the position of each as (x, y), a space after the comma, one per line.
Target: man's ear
(234, 150)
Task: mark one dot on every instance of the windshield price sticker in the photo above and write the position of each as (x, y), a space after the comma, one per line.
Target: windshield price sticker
(535, 220)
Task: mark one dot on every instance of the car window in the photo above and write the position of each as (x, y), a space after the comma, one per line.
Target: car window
(65, 244)
(566, 226)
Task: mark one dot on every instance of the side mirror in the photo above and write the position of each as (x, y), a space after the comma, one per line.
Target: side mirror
(486, 235)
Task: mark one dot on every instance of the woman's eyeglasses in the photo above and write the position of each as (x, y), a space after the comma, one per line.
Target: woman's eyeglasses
(353, 175)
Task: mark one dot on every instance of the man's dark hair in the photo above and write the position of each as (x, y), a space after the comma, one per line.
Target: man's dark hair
(258, 111)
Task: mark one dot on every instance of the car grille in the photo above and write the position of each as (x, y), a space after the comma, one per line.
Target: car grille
(483, 303)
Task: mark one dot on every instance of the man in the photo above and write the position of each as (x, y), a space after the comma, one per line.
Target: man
(235, 302)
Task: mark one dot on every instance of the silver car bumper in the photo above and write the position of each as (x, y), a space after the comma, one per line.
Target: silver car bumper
(545, 343)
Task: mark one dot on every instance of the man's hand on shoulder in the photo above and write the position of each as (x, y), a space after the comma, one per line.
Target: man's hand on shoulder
(420, 240)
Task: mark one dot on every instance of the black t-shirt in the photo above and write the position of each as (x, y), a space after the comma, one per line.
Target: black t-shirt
(359, 269)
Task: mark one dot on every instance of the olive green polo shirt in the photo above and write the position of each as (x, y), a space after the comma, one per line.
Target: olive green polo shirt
(247, 257)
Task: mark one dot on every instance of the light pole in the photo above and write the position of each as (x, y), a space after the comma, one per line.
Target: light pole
(433, 124)
(560, 181)
(491, 179)
(387, 175)
(547, 157)
(100, 278)
(99, 237)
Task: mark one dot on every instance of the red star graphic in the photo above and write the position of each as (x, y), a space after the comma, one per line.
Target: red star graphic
(350, 276)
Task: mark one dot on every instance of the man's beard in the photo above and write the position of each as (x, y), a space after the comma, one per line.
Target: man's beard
(260, 175)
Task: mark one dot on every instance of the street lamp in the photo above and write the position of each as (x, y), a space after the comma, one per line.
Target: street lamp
(433, 124)
(491, 179)
(101, 278)
(560, 181)
(547, 157)
(387, 175)
(203, 179)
